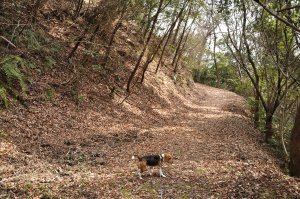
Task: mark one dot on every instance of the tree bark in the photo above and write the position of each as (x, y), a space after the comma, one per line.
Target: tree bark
(168, 38)
(145, 46)
(269, 126)
(177, 31)
(215, 61)
(150, 58)
(181, 38)
(82, 36)
(295, 148)
(78, 9)
(148, 23)
(113, 34)
(256, 110)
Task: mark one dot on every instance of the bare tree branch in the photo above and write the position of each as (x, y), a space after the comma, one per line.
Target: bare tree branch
(271, 12)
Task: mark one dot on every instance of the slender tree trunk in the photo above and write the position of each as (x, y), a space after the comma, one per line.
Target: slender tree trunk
(82, 36)
(145, 46)
(150, 58)
(169, 36)
(215, 61)
(148, 23)
(183, 46)
(176, 31)
(78, 9)
(181, 39)
(78, 42)
(256, 109)
(146, 65)
(295, 148)
(112, 36)
(269, 126)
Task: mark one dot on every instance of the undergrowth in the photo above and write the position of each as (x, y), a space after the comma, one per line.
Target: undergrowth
(12, 79)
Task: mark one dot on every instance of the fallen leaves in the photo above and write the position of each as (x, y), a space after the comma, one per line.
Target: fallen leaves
(87, 153)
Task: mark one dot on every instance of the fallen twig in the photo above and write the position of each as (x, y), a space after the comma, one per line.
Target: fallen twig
(9, 42)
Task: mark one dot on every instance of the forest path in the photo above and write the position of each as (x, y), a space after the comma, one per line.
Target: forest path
(58, 150)
(218, 153)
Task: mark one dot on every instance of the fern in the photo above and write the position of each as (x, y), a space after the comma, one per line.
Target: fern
(10, 68)
(49, 61)
(32, 39)
(3, 96)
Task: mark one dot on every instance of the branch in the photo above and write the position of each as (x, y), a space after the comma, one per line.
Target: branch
(271, 12)
(9, 42)
(289, 8)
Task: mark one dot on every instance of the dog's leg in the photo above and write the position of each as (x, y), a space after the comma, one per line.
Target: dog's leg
(161, 173)
(140, 174)
(150, 171)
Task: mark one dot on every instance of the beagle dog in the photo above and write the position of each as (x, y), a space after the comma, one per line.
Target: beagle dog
(151, 161)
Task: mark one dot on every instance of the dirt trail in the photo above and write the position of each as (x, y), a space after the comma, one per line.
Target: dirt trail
(217, 152)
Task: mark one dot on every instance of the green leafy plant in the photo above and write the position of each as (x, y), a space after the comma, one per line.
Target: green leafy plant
(3, 96)
(97, 67)
(10, 68)
(80, 98)
(91, 53)
(50, 93)
(32, 40)
(49, 61)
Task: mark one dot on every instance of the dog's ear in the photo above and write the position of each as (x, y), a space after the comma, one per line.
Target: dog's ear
(168, 158)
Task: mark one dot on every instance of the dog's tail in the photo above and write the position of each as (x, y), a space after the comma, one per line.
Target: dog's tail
(134, 157)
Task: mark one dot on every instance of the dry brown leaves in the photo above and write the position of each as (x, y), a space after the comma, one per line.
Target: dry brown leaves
(61, 150)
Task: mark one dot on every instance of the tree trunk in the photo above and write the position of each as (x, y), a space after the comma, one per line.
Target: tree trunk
(177, 31)
(183, 46)
(78, 9)
(148, 23)
(215, 61)
(295, 148)
(150, 58)
(112, 36)
(78, 42)
(82, 36)
(169, 37)
(269, 126)
(181, 38)
(145, 46)
(256, 109)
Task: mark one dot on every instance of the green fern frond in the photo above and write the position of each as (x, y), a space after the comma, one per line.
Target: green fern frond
(3, 96)
(10, 67)
(32, 39)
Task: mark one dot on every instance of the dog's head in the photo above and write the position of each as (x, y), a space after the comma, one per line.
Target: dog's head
(167, 158)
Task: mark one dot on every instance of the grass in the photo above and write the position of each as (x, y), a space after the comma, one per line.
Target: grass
(125, 193)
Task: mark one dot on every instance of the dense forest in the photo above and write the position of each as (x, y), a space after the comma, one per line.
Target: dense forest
(123, 66)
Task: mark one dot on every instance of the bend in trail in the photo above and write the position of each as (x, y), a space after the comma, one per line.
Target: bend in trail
(87, 153)
(218, 153)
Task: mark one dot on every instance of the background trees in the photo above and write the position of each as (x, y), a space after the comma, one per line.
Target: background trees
(261, 40)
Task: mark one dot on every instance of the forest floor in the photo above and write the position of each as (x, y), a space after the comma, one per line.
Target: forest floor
(75, 139)
(61, 150)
